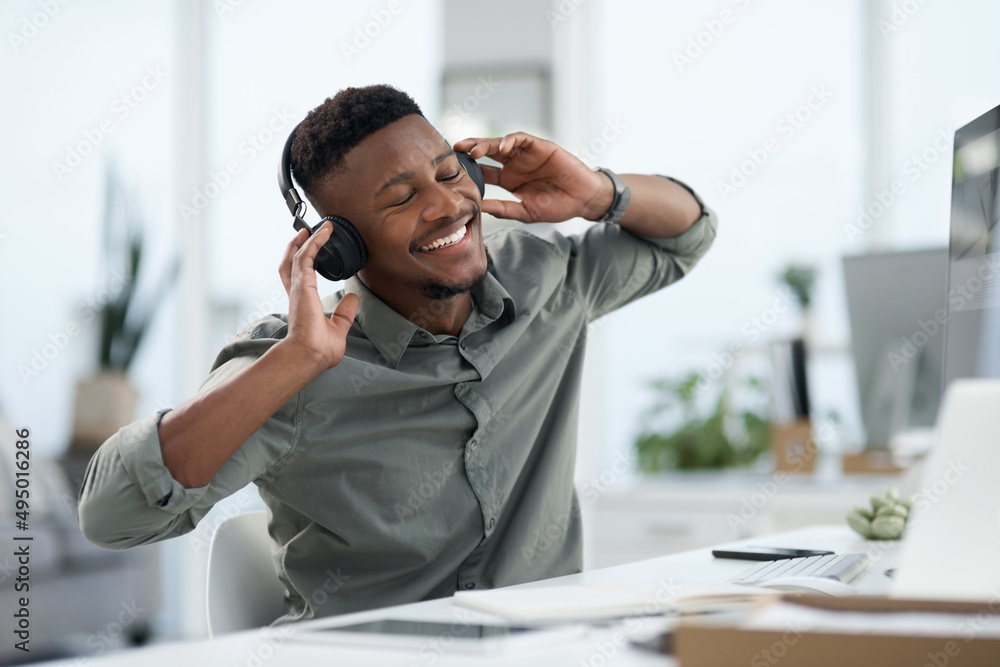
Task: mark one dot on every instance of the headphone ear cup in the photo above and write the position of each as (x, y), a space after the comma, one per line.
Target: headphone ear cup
(473, 169)
(343, 254)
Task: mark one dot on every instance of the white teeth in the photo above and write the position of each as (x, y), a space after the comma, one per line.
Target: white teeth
(447, 240)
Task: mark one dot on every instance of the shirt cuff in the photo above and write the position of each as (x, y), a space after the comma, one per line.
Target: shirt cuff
(139, 450)
(695, 240)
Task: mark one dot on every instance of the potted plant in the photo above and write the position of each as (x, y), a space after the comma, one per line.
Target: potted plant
(106, 402)
(680, 434)
(800, 279)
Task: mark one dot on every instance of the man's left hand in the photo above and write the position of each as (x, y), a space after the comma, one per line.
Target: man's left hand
(552, 184)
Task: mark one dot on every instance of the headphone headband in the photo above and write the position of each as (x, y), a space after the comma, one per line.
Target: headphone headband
(296, 206)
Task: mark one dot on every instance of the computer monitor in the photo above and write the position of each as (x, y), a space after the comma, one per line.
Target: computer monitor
(972, 338)
(896, 307)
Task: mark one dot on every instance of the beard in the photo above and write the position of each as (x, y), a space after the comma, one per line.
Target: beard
(441, 292)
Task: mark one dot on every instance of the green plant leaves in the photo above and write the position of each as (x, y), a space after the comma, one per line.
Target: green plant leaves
(681, 434)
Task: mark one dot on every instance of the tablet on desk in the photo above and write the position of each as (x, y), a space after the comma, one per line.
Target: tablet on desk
(441, 636)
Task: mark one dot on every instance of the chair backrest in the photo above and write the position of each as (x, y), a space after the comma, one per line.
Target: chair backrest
(243, 591)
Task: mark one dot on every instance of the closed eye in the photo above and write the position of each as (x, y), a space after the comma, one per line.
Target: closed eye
(448, 177)
(400, 203)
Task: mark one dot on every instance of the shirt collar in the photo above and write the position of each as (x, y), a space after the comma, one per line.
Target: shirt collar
(390, 332)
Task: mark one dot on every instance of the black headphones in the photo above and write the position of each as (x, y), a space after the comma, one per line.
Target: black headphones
(344, 253)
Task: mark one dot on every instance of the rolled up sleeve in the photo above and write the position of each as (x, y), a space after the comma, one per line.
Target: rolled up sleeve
(610, 267)
(129, 497)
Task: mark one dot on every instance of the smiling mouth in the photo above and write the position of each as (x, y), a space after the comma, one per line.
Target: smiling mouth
(446, 241)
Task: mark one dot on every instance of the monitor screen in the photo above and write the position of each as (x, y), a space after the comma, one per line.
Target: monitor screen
(972, 335)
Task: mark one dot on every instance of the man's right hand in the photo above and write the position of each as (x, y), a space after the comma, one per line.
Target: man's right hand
(322, 338)
(201, 434)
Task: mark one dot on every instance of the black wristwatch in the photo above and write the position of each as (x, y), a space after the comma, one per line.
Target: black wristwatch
(621, 199)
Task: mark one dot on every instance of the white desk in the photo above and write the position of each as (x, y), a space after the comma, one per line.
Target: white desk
(277, 648)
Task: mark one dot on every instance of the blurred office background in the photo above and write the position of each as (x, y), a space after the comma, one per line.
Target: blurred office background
(788, 119)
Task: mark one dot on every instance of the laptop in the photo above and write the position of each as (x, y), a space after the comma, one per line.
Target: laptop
(951, 549)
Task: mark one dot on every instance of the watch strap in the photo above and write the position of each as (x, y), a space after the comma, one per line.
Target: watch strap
(621, 198)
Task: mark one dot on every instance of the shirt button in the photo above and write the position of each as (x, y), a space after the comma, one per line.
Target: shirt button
(492, 521)
(470, 586)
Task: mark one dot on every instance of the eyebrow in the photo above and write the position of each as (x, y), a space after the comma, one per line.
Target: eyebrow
(407, 175)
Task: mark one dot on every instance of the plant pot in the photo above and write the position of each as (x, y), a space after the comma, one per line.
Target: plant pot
(103, 405)
(794, 448)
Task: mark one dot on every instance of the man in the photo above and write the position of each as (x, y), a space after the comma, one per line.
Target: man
(416, 432)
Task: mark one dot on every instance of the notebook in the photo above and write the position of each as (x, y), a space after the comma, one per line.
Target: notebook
(622, 598)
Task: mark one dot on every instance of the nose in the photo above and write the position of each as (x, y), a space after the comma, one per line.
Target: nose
(443, 201)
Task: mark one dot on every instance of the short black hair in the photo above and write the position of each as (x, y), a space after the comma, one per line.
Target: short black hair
(339, 124)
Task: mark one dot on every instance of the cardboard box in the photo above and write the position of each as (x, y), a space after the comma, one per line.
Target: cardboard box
(710, 643)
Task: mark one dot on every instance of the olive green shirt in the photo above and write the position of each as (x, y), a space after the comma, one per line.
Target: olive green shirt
(421, 464)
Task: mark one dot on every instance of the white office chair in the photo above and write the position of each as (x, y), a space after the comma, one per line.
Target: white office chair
(243, 592)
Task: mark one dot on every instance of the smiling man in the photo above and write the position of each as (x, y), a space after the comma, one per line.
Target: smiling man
(415, 432)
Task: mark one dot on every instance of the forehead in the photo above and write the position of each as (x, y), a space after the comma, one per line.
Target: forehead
(407, 144)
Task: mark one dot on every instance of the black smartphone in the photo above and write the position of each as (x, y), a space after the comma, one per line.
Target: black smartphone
(766, 553)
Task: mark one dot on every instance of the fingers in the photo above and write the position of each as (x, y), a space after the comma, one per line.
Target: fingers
(510, 210)
(285, 268)
(491, 174)
(497, 148)
(345, 312)
(302, 262)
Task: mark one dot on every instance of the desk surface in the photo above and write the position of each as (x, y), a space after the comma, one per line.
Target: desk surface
(277, 647)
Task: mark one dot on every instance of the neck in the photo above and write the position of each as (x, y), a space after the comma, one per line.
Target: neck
(437, 316)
